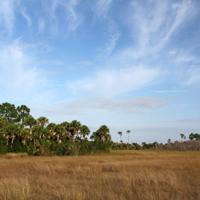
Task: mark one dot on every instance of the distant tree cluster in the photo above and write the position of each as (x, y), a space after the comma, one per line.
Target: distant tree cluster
(136, 146)
(188, 145)
(192, 143)
(194, 136)
(21, 132)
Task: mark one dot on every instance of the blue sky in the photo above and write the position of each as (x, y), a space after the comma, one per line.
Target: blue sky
(130, 64)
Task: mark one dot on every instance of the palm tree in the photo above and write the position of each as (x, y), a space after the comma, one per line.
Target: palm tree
(66, 130)
(102, 134)
(128, 132)
(12, 131)
(51, 130)
(25, 136)
(182, 136)
(191, 136)
(8, 112)
(84, 131)
(30, 121)
(23, 112)
(42, 121)
(60, 133)
(74, 129)
(120, 135)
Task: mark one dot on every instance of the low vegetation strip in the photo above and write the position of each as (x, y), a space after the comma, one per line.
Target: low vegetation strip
(123, 175)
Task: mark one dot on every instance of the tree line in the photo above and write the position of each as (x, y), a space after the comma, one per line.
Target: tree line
(21, 132)
(190, 143)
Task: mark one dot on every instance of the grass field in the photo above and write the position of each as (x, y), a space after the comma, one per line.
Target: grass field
(118, 175)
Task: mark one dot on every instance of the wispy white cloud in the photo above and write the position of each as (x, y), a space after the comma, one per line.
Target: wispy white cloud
(7, 14)
(113, 82)
(183, 12)
(101, 12)
(22, 80)
(14, 73)
(25, 15)
(156, 23)
(102, 7)
(192, 77)
(113, 39)
(10, 9)
(186, 66)
(41, 25)
(73, 18)
(109, 105)
(183, 56)
(154, 26)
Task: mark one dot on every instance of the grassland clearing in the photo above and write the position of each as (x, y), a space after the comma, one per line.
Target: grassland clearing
(117, 175)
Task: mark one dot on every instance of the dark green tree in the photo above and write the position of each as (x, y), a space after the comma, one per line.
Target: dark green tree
(8, 112)
(120, 135)
(23, 112)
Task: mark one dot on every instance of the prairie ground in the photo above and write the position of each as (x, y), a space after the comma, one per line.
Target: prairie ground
(117, 175)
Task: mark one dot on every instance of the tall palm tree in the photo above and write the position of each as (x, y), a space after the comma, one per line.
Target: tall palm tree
(12, 132)
(66, 130)
(128, 132)
(74, 128)
(42, 121)
(102, 134)
(30, 122)
(25, 136)
(23, 112)
(120, 135)
(84, 131)
(182, 136)
(8, 112)
(51, 130)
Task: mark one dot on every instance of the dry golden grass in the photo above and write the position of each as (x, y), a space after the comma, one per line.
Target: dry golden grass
(119, 175)
(15, 155)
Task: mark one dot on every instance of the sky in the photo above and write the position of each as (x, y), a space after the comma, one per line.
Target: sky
(130, 64)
